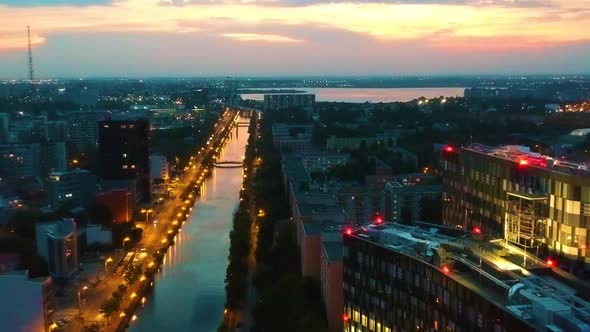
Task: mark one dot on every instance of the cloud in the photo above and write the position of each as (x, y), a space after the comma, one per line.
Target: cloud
(299, 3)
(450, 26)
(256, 37)
(10, 41)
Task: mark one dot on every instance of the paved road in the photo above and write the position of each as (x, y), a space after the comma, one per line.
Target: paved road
(92, 298)
(168, 213)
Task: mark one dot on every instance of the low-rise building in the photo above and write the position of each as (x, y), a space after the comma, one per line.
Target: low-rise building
(98, 235)
(120, 202)
(322, 162)
(292, 138)
(77, 186)
(334, 143)
(25, 303)
(57, 243)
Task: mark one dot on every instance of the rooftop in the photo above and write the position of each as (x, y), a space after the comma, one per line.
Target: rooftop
(525, 157)
(498, 271)
(58, 229)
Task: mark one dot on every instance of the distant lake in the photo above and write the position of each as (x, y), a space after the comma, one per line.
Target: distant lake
(373, 95)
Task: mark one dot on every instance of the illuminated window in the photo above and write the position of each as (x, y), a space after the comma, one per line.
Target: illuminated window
(124, 155)
(125, 166)
(132, 166)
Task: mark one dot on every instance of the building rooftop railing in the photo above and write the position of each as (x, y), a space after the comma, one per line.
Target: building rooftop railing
(491, 268)
(525, 157)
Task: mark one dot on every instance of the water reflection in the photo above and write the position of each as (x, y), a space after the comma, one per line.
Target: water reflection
(189, 294)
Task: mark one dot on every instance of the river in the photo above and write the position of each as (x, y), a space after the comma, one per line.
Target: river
(372, 95)
(189, 293)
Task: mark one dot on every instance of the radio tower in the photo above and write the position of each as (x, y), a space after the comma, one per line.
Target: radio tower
(31, 73)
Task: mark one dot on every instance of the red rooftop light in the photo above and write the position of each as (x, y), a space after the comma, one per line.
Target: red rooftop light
(348, 231)
(446, 269)
(550, 262)
(449, 148)
(345, 317)
(477, 230)
(524, 162)
(378, 219)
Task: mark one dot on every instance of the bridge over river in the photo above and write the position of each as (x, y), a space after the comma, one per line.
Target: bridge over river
(229, 164)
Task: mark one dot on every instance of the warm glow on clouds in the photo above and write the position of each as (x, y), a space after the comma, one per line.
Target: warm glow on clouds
(260, 37)
(379, 20)
(455, 25)
(15, 41)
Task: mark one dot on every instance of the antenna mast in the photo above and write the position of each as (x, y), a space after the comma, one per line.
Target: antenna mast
(31, 73)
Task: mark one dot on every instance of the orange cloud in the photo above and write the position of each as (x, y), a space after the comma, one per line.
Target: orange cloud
(470, 26)
(13, 41)
(261, 37)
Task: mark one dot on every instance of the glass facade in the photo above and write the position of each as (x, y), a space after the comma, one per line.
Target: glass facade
(487, 191)
(389, 291)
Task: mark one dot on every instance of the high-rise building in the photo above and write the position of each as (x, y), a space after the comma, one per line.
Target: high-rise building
(408, 202)
(83, 130)
(4, 123)
(429, 277)
(159, 168)
(20, 161)
(57, 243)
(77, 186)
(124, 151)
(526, 198)
(53, 157)
(47, 136)
(25, 302)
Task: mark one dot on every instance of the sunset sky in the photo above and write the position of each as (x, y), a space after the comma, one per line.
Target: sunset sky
(82, 38)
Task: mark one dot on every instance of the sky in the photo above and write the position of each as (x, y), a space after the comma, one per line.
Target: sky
(150, 38)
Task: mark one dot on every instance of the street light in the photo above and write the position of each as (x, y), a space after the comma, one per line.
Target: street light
(106, 262)
(147, 214)
(125, 240)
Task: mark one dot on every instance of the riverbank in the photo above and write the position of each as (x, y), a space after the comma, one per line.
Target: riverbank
(170, 225)
(240, 293)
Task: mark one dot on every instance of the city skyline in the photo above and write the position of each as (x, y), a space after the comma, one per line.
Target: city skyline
(100, 38)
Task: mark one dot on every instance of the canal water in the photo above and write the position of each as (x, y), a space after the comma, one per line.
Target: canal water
(189, 293)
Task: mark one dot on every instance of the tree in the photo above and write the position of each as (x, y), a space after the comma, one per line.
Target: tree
(109, 307)
(132, 273)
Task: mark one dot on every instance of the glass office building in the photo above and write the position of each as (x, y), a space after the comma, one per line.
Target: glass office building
(430, 277)
(537, 202)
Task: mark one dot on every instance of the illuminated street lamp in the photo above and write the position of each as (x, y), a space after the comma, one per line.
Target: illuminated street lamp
(147, 214)
(106, 262)
(125, 240)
